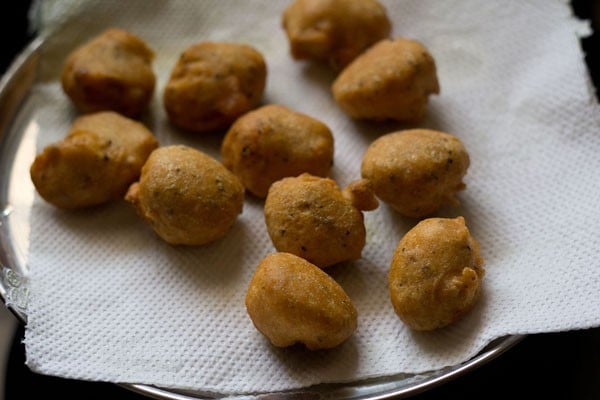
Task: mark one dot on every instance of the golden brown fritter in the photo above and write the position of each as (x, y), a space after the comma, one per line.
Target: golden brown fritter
(274, 142)
(187, 197)
(113, 71)
(98, 159)
(335, 31)
(312, 218)
(290, 301)
(435, 274)
(391, 80)
(416, 171)
(212, 84)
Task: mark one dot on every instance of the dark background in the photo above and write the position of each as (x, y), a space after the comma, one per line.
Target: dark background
(554, 365)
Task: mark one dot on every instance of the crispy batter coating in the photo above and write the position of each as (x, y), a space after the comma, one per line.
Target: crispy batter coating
(435, 274)
(416, 171)
(310, 217)
(101, 155)
(361, 195)
(290, 301)
(391, 80)
(113, 71)
(187, 197)
(335, 31)
(274, 142)
(212, 84)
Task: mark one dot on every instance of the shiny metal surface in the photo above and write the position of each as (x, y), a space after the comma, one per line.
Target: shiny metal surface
(15, 191)
(18, 133)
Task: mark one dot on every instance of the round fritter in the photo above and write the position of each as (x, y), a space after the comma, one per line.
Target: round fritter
(290, 301)
(274, 142)
(212, 84)
(416, 171)
(435, 274)
(335, 31)
(391, 80)
(312, 218)
(187, 197)
(101, 155)
(113, 71)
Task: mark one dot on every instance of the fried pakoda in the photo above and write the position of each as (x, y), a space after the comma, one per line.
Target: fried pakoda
(312, 218)
(290, 301)
(102, 154)
(212, 84)
(392, 80)
(113, 71)
(435, 274)
(187, 197)
(335, 31)
(416, 171)
(274, 142)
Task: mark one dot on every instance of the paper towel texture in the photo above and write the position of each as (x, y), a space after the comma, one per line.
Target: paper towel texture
(110, 301)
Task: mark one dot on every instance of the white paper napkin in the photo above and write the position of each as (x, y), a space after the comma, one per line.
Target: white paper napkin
(112, 302)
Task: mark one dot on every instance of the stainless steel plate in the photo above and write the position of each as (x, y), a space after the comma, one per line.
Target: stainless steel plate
(18, 130)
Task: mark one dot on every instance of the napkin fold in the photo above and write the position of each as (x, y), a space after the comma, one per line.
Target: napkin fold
(109, 301)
